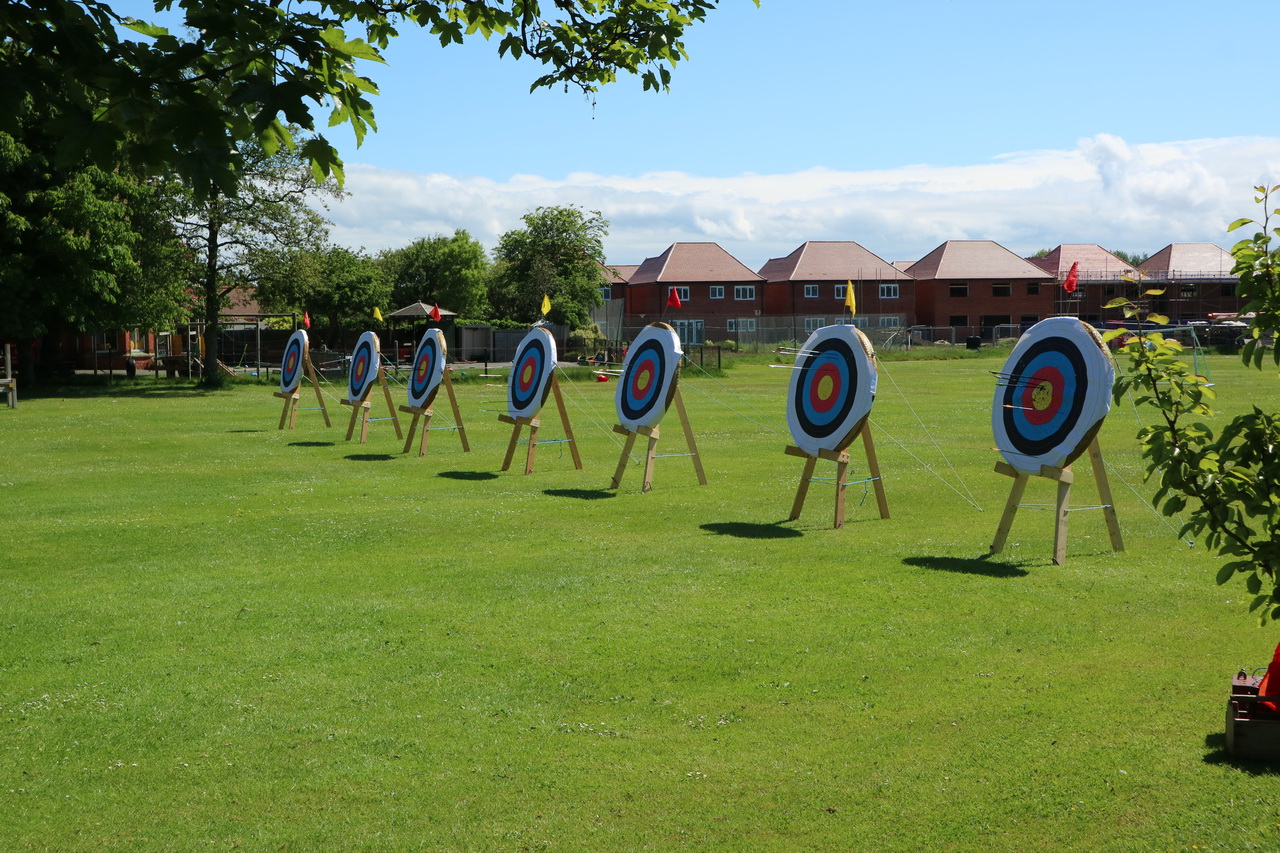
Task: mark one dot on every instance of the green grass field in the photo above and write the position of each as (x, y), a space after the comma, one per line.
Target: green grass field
(217, 634)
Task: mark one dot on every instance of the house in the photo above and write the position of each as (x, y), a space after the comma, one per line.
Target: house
(720, 297)
(1196, 279)
(613, 292)
(975, 286)
(807, 288)
(1100, 278)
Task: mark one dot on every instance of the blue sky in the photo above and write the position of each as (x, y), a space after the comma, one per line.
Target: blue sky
(897, 125)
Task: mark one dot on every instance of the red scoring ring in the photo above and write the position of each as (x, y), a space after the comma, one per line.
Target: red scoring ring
(1038, 415)
(824, 404)
(644, 371)
(528, 374)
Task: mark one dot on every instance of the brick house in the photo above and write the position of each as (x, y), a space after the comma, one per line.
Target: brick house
(1100, 279)
(1196, 278)
(807, 288)
(977, 285)
(721, 297)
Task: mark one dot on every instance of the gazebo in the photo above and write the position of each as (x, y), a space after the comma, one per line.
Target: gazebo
(413, 314)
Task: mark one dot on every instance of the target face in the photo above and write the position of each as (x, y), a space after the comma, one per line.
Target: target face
(1053, 394)
(832, 388)
(428, 369)
(531, 369)
(295, 353)
(365, 361)
(648, 377)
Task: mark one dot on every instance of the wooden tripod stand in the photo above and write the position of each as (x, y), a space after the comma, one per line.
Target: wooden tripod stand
(534, 424)
(1064, 478)
(360, 409)
(841, 458)
(653, 434)
(290, 410)
(426, 414)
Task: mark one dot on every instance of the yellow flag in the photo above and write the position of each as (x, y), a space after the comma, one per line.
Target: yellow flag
(377, 315)
(848, 298)
(546, 304)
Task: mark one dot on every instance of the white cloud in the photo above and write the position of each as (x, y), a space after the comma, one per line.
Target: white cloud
(1134, 197)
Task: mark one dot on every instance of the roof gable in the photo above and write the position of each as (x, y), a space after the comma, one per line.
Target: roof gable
(683, 262)
(974, 259)
(1091, 257)
(831, 260)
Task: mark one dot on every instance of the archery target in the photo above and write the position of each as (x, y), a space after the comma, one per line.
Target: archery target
(1053, 394)
(295, 354)
(366, 358)
(832, 388)
(428, 369)
(531, 370)
(648, 377)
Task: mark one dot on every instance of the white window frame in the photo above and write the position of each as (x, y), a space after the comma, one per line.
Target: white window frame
(813, 324)
(744, 292)
(747, 324)
(606, 293)
(682, 290)
(731, 325)
(840, 290)
(811, 291)
(888, 291)
(890, 321)
(717, 291)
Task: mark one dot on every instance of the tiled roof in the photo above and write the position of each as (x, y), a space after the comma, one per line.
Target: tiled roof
(830, 260)
(1095, 261)
(692, 262)
(1189, 259)
(974, 259)
(619, 273)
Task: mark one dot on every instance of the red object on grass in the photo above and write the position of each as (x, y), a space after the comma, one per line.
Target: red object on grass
(1271, 681)
(600, 377)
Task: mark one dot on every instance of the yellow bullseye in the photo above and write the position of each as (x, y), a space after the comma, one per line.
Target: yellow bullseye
(642, 380)
(825, 386)
(527, 374)
(1042, 396)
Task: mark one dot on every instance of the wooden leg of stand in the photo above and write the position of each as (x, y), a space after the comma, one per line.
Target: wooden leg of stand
(688, 437)
(873, 467)
(533, 445)
(413, 425)
(1104, 496)
(648, 460)
(842, 471)
(315, 386)
(457, 413)
(1061, 511)
(803, 490)
(511, 445)
(426, 432)
(622, 460)
(1010, 510)
(355, 413)
(391, 406)
(564, 421)
(364, 421)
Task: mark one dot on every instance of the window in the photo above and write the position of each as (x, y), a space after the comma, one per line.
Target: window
(1028, 320)
(811, 291)
(606, 293)
(1002, 290)
(1228, 289)
(840, 291)
(1188, 290)
(861, 322)
(888, 291)
(813, 324)
(959, 320)
(1033, 288)
(1109, 290)
(743, 324)
(690, 331)
(717, 291)
(682, 292)
(731, 325)
(958, 290)
(744, 291)
(890, 321)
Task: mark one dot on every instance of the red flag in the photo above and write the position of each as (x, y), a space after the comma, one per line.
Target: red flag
(673, 301)
(1072, 277)
(435, 312)
(306, 319)
(1267, 686)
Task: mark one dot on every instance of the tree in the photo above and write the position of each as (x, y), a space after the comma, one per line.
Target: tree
(254, 70)
(81, 247)
(335, 285)
(449, 271)
(559, 254)
(1133, 259)
(1228, 483)
(234, 237)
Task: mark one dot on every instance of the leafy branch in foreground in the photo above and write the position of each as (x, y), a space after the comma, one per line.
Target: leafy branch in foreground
(1229, 483)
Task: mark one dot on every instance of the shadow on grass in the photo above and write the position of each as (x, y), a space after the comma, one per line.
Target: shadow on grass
(121, 388)
(468, 475)
(968, 566)
(369, 457)
(751, 530)
(310, 444)
(245, 430)
(1217, 754)
(581, 494)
